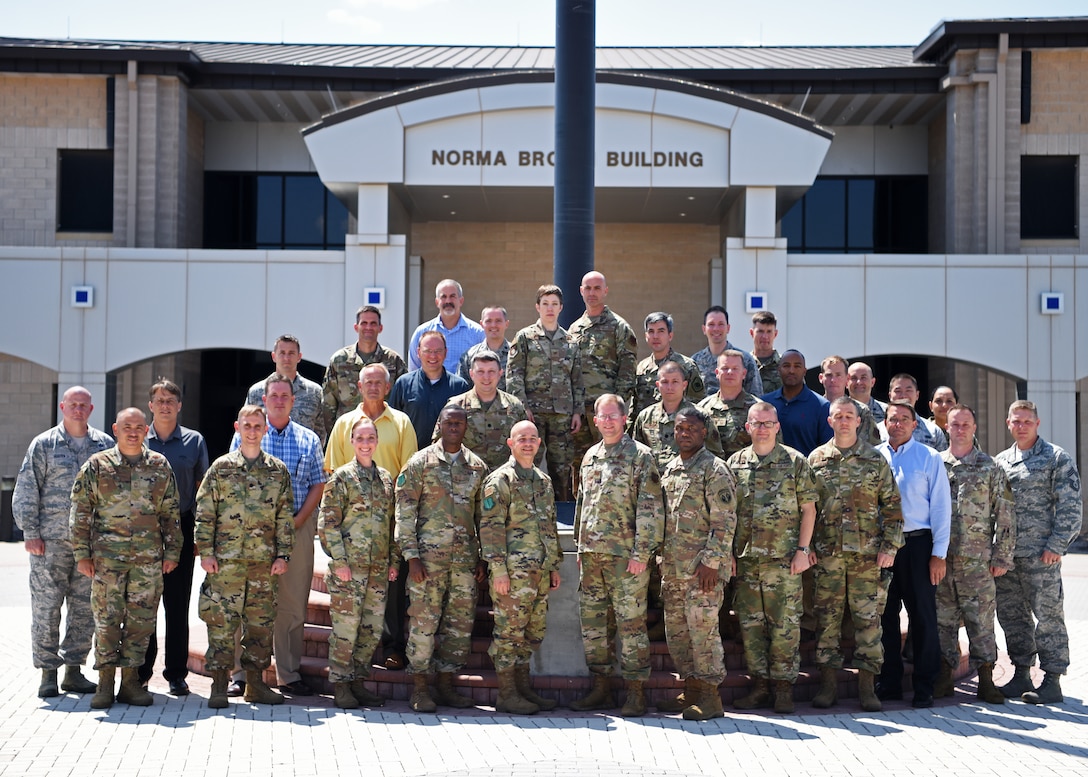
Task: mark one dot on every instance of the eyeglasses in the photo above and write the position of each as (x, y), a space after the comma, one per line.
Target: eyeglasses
(763, 424)
(609, 418)
(432, 351)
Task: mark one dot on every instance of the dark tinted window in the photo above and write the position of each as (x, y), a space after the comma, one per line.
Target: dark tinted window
(1048, 197)
(85, 191)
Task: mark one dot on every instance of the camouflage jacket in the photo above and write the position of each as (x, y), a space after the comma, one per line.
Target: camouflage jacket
(1046, 491)
(700, 515)
(126, 512)
(768, 371)
(245, 512)
(708, 366)
(729, 419)
(488, 428)
(355, 523)
(608, 349)
(770, 493)
(655, 428)
(545, 371)
(464, 365)
(517, 530)
(438, 506)
(619, 509)
(307, 410)
(340, 388)
(646, 392)
(859, 510)
(983, 515)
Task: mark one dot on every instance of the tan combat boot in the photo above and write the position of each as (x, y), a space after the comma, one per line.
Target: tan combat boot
(447, 695)
(829, 689)
(75, 682)
(132, 691)
(217, 700)
(987, 691)
(783, 697)
(361, 694)
(706, 702)
(867, 692)
(634, 706)
(944, 686)
(685, 699)
(342, 696)
(599, 697)
(525, 689)
(257, 692)
(421, 700)
(509, 699)
(759, 697)
(103, 696)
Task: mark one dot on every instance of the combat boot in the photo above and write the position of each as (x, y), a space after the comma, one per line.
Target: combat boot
(447, 695)
(634, 706)
(48, 687)
(867, 692)
(1019, 684)
(218, 698)
(944, 686)
(706, 702)
(1050, 692)
(783, 697)
(525, 689)
(75, 682)
(257, 691)
(509, 699)
(103, 696)
(342, 696)
(987, 691)
(362, 695)
(599, 697)
(759, 697)
(421, 700)
(685, 699)
(132, 691)
(829, 689)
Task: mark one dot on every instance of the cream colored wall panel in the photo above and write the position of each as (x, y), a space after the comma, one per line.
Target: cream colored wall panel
(31, 299)
(318, 322)
(147, 313)
(904, 309)
(826, 313)
(986, 318)
(280, 148)
(226, 306)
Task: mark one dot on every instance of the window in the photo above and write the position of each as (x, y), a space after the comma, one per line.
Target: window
(1048, 197)
(85, 191)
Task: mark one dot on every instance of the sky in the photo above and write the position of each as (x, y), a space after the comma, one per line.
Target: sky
(509, 22)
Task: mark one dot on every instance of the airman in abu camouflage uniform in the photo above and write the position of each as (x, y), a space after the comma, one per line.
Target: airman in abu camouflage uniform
(859, 528)
(125, 537)
(655, 425)
(696, 561)
(519, 542)
(355, 527)
(659, 337)
(437, 521)
(244, 533)
(1046, 490)
(618, 524)
(980, 548)
(776, 510)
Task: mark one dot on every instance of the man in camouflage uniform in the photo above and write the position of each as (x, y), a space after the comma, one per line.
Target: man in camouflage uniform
(41, 505)
(307, 411)
(696, 561)
(728, 408)
(619, 524)
(519, 542)
(495, 320)
(244, 535)
(654, 426)
(125, 537)
(355, 527)
(545, 372)
(437, 521)
(658, 328)
(1046, 491)
(980, 548)
(833, 378)
(764, 331)
(340, 389)
(859, 528)
(491, 412)
(716, 330)
(776, 510)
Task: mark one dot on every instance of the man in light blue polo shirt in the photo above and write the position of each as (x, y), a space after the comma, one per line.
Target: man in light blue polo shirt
(460, 333)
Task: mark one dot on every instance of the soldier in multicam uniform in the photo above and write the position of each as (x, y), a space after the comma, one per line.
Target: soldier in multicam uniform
(491, 412)
(776, 510)
(545, 372)
(728, 408)
(658, 328)
(716, 330)
(495, 320)
(654, 426)
(833, 378)
(125, 537)
(764, 331)
(437, 521)
(519, 542)
(308, 409)
(696, 561)
(859, 528)
(244, 535)
(980, 549)
(340, 389)
(618, 524)
(41, 504)
(355, 527)
(1046, 490)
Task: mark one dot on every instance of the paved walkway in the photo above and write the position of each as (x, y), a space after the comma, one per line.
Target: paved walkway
(59, 737)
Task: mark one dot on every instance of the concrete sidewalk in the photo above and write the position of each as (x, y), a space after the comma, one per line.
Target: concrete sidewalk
(62, 736)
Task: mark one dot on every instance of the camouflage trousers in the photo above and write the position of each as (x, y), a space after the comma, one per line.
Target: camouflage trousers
(520, 618)
(1034, 589)
(613, 601)
(967, 592)
(242, 594)
(586, 437)
(54, 581)
(441, 612)
(691, 628)
(555, 431)
(125, 602)
(358, 613)
(849, 580)
(768, 606)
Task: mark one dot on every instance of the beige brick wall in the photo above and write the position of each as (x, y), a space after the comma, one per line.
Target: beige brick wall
(26, 408)
(1059, 92)
(649, 267)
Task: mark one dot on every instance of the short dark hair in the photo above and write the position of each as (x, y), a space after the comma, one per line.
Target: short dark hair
(764, 317)
(656, 317)
(549, 288)
(368, 309)
(962, 406)
(279, 377)
(955, 396)
(693, 412)
(716, 309)
(906, 404)
(903, 376)
(164, 384)
(485, 355)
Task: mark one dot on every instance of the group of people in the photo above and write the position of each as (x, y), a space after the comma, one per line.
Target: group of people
(719, 482)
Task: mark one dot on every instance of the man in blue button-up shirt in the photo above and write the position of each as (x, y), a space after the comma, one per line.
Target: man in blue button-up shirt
(460, 333)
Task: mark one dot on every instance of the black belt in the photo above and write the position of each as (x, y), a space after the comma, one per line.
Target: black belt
(916, 533)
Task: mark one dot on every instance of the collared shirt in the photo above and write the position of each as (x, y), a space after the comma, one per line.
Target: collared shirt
(299, 449)
(463, 336)
(340, 389)
(803, 419)
(924, 490)
(708, 365)
(422, 400)
(307, 407)
(464, 367)
(187, 453)
(396, 441)
(879, 409)
(646, 392)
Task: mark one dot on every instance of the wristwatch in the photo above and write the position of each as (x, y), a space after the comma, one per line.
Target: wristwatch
(285, 558)
(802, 549)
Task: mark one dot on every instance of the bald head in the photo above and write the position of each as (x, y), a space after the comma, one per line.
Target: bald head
(594, 291)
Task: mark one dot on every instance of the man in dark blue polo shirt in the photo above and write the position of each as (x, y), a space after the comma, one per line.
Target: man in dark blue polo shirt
(422, 393)
(802, 413)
